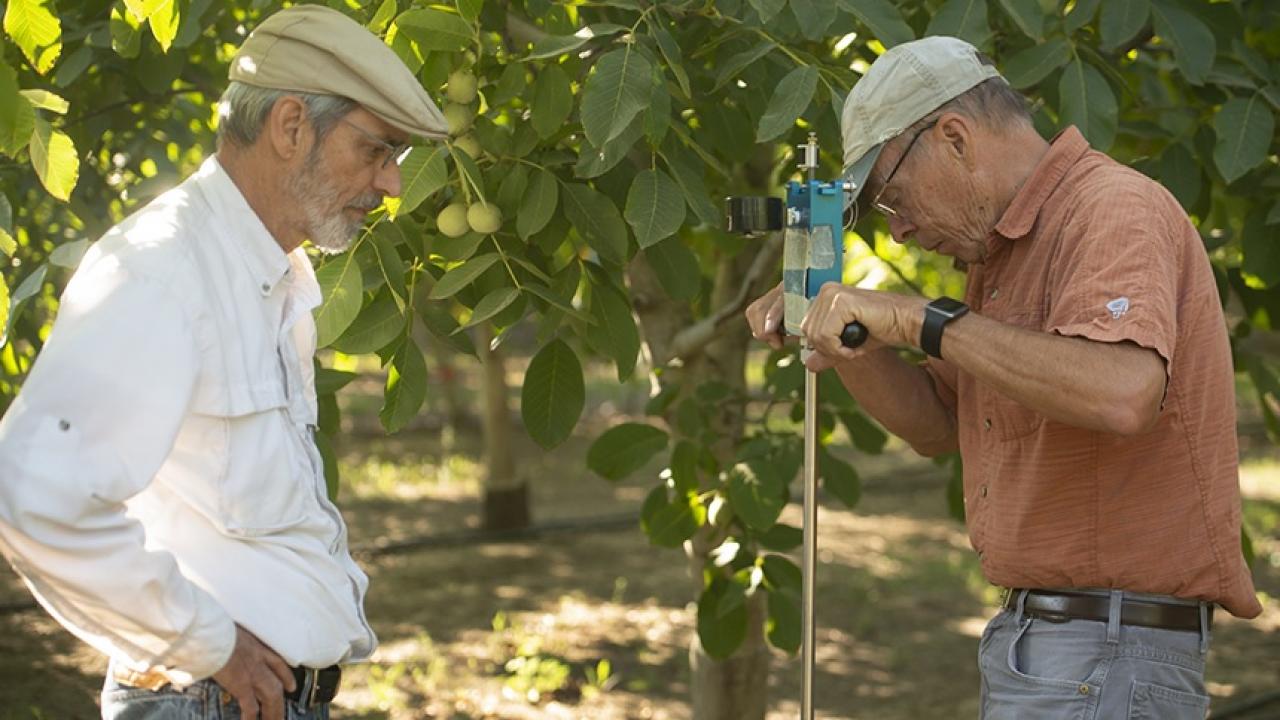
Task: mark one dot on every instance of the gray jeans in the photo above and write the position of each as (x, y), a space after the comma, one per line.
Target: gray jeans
(202, 701)
(1034, 669)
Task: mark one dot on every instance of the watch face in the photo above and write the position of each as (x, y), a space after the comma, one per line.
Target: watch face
(947, 306)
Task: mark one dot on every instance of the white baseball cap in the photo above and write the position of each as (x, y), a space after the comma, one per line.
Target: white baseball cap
(902, 86)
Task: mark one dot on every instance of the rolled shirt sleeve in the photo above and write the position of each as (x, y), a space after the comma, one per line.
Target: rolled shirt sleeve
(94, 422)
(1118, 278)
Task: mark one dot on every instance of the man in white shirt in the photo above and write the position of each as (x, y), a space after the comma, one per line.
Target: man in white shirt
(160, 487)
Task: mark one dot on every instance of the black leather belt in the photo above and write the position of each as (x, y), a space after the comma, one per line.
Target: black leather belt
(1063, 605)
(314, 686)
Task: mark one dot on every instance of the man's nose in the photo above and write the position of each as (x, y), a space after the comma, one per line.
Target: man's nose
(387, 180)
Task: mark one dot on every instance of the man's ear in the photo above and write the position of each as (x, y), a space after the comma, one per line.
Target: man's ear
(287, 131)
(957, 132)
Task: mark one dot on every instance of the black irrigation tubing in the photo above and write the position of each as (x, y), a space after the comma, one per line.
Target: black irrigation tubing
(1246, 705)
(620, 521)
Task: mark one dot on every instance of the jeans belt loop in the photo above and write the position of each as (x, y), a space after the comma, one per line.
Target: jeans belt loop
(1113, 616)
(1204, 628)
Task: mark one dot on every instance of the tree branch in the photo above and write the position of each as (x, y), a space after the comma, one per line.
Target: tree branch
(692, 339)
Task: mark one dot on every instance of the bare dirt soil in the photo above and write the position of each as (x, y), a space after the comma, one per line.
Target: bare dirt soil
(518, 630)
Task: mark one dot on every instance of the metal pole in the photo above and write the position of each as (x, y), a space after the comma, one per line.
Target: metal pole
(809, 552)
(810, 539)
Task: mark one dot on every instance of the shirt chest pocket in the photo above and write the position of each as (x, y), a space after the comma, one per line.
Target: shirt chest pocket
(244, 465)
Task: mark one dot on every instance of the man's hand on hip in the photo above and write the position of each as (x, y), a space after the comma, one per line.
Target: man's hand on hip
(256, 677)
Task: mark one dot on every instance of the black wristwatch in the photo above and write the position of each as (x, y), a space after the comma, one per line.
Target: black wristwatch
(936, 316)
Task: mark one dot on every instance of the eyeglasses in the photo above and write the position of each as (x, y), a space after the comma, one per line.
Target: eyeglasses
(393, 152)
(880, 206)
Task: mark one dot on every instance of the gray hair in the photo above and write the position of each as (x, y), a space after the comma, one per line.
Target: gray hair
(243, 110)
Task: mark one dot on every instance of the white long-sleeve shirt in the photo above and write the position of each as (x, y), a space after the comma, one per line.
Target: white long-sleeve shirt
(159, 479)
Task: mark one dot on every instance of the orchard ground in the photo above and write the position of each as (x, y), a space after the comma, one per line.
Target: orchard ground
(596, 624)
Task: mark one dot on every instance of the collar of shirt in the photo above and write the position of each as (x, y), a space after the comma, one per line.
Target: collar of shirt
(266, 261)
(1065, 149)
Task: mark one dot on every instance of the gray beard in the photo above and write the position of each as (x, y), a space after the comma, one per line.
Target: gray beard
(328, 229)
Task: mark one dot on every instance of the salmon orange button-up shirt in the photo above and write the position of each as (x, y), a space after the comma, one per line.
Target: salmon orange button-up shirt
(1090, 248)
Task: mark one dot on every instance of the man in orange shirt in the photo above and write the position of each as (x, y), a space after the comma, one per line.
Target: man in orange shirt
(1086, 380)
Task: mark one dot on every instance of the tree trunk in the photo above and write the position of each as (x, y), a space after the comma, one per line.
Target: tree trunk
(506, 494)
(735, 688)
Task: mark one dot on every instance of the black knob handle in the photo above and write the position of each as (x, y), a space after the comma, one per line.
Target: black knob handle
(855, 333)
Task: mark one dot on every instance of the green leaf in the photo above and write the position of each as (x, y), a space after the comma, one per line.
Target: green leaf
(782, 625)
(436, 29)
(689, 177)
(17, 117)
(720, 635)
(53, 156)
(406, 387)
(758, 493)
(343, 291)
(374, 328)
(684, 467)
(1193, 43)
(671, 53)
(469, 9)
(865, 435)
(789, 100)
(4, 303)
(667, 522)
(767, 8)
(730, 68)
(593, 162)
(615, 333)
(624, 449)
(1251, 59)
(616, 92)
(441, 325)
(126, 37)
(814, 17)
(35, 27)
(655, 207)
(1261, 250)
(1034, 64)
(386, 236)
(73, 66)
(7, 244)
(1081, 14)
(556, 301)
(840, 479)
(382, 18)
(538, 204)
(165, 20)
(782, 538)
(1273, 217)
(556, 45)
(330, 381)
(46, 100)
(676, 267)
(597, 220)
(1121, 20)
(1179, 171)
(490, 305)
(27, 289)
(422, 173)
(510, 85)
(1027, 15)
(1088, 103)
(657, 116)
(461, 276)
(553, 395)
(1245, 130)
(883, 19)
(552, 101)
(965, 19)
(68, 255)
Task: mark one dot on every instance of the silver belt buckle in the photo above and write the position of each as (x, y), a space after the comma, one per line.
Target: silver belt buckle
(311, 685)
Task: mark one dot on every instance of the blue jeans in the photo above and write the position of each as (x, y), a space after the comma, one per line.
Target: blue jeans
(1035, 669)
(201, 701)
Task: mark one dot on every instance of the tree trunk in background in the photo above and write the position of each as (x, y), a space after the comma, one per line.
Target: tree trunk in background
(735, 688)
(506, 495)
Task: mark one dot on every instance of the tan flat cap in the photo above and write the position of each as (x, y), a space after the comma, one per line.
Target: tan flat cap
(313, 49)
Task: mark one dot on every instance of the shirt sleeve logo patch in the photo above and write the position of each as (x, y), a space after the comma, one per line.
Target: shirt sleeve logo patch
(1118, 307)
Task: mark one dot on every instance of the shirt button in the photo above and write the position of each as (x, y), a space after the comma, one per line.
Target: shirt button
(995, 292)
(983, 491)
(266, 287)
(987, 423)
